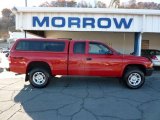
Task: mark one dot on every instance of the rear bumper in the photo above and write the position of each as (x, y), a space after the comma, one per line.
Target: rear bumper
(149, 71)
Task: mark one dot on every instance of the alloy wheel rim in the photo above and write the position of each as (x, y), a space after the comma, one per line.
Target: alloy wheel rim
(134, 79)
(39, 78)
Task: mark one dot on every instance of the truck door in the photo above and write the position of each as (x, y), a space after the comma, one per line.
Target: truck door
(101, 62)
(77, 55)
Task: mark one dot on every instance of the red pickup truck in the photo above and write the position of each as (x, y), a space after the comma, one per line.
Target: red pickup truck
(40, 59)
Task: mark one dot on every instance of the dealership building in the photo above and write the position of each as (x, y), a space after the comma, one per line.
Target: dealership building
(126, 30)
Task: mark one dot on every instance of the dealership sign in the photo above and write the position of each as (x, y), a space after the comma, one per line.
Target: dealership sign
(82, 22)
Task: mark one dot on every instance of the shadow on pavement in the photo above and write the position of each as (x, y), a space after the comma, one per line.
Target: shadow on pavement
(88, 98)
(62, 98)
(157, 68)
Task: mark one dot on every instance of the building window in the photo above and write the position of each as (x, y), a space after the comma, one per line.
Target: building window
(145, 44)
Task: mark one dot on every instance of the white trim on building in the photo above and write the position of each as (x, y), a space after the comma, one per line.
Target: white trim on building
(88, 19)
(85, 10)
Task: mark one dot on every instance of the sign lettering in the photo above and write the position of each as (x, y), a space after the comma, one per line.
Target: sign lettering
(85, 22)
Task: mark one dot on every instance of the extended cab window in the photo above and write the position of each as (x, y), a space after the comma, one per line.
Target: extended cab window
(98, 48)
(41, 46)
(79, 47)
(54, 46)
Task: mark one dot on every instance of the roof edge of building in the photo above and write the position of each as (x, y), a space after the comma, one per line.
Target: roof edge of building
(85, 10)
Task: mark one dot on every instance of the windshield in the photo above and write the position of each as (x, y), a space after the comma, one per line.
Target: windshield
(157, 52)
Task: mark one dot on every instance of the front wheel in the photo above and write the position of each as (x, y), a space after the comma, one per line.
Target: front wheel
(134, 78)
(39, 77)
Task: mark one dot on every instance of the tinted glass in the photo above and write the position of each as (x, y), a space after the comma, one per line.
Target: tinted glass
(41, 46)
(79, 47)
(145, 52)
(98, 48)
(157, 52)
(150, 52)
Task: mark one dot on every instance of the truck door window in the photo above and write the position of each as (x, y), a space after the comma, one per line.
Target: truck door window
(97, 48)
(79, 47)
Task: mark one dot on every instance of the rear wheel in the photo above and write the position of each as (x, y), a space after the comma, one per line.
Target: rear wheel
(39, 77)
(134, 78)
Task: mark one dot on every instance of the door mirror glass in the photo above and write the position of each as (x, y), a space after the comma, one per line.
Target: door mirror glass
(109, 52)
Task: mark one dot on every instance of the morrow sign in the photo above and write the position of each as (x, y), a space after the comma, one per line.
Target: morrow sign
(82, 22)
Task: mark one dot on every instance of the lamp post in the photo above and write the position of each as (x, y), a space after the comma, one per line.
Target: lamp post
(25, 3)
(95, 2)
(25, 33)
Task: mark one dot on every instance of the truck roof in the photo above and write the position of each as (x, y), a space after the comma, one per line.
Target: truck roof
(56, 39)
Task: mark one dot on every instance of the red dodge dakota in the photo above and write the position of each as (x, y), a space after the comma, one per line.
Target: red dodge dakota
(40, 59)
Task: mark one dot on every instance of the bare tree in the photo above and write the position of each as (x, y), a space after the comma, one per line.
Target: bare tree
(132, 4)
(59, 3)
(114, 4)
(84, 4)
(6, 12)
(147, 5)
(100, 4)
(45, 4)
(7, 23)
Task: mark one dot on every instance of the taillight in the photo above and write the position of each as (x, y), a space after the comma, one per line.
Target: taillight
(154, 58)
(9, 59)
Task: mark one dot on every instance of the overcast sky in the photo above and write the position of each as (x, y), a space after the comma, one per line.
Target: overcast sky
(21, 3)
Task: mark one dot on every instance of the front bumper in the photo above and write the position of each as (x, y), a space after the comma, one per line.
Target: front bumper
(149, 71)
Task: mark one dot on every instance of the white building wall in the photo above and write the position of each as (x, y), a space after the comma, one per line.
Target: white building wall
(154, 40)
(122, 42)
(142, 20)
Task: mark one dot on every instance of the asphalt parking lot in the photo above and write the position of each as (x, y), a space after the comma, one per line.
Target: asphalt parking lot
(78, 99)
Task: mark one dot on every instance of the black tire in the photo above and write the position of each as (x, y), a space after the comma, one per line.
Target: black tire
(134, 78)
(39, 77)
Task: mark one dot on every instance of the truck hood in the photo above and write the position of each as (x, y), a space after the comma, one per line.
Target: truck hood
(132, 57)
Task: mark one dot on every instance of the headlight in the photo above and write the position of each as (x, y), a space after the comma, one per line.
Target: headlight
(150, 65)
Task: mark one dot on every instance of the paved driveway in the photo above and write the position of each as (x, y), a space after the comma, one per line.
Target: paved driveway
(78, 99)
